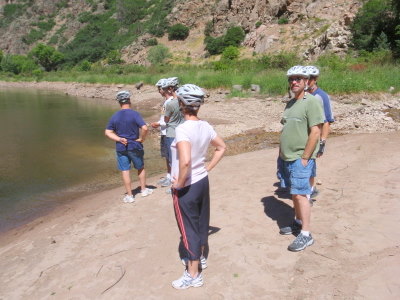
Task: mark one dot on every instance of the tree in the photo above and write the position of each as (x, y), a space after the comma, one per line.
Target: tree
(46, 56)
(234, 36)
(374, 27)
(158, 54)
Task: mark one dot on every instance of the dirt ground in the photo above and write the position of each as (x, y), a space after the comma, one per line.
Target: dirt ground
(100, 248)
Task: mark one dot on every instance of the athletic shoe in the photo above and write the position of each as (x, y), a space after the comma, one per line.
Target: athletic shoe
(146, 192)
(294, 228)
(166, 182)
(301, 242)
(203, 262)
(314, 193)
(128, 199)
(187, 281)
(162, 180)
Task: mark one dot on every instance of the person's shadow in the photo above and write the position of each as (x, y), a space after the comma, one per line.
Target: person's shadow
(278, 211)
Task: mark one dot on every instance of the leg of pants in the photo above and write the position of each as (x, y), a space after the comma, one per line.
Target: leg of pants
(192, 212)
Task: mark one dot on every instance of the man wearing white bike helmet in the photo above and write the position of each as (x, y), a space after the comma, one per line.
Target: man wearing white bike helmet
(313, 88)
(299, 141)
(165, 181)
(173, 116)
(128, 129)
(190, 188)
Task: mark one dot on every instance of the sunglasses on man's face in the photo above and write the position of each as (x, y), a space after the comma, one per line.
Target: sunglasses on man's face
(297, 79)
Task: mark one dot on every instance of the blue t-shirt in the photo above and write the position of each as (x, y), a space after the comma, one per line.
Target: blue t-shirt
(326, 102)
(126, 124)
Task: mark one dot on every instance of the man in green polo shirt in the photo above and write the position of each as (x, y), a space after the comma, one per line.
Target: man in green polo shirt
(299, 143)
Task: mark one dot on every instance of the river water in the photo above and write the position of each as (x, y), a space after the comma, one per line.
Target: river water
(53, 149)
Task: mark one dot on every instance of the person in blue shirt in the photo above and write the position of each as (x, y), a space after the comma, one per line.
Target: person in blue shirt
(313, 88)
(128, 129)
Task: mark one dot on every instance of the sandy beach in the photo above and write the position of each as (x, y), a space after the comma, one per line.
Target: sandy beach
(97, 247)
(100, 248)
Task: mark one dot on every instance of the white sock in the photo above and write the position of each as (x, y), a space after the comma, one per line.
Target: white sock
(169, 176)
(306, 233)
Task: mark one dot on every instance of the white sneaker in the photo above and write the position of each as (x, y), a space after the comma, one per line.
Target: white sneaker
(186, 281)
(128, 199)
(146, 192)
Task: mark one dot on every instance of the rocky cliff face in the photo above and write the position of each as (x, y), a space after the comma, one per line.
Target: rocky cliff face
(313, 26)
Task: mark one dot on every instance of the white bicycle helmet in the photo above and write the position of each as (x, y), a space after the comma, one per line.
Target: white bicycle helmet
(160, 82)
(191, 95)
(297, 70)
(312, 71)
(123, 96)
(172, 81)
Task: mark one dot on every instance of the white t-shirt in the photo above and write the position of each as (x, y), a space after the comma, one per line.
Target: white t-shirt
(163, 125)
(199, 134)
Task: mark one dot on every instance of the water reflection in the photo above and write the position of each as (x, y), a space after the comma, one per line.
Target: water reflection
(53, 148)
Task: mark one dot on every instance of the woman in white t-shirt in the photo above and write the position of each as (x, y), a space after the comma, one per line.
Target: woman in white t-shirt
(191, 194)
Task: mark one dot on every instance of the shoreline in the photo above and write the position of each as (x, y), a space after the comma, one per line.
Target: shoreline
(238, 119)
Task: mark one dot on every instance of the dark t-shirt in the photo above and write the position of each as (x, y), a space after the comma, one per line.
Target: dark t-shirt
(126, 124)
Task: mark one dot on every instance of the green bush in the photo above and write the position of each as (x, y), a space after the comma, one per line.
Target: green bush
(158, 54)
(46, 26)
(151, 42)
(233, 37)
(284, 60)
(33, 36)
(18, 64)
(85, 66)
(178, 32)
(258, 24)
(12, 10)
(214, 45)
(114, 57)
(130, 12)
(283, 20)
(230, 53)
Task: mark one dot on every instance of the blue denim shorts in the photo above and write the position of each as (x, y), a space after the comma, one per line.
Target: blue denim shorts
(297, 177)
(125, 158)
(169, 143)
(164, 147)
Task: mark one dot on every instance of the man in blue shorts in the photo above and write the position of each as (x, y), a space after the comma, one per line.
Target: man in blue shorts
(316, 91)
(299, 144)
(128, 129)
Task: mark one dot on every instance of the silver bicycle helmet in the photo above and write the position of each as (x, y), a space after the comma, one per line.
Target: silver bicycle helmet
(312, 71)
(297, 70)
(160, 82)
(123, 96)
(172, 81)
(191, 95)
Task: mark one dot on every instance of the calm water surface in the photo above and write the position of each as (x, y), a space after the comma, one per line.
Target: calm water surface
(53, 149)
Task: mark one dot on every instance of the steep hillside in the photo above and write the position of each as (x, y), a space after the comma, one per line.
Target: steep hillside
(307, 27)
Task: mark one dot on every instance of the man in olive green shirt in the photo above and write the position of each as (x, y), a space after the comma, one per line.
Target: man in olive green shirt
(299, 141)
